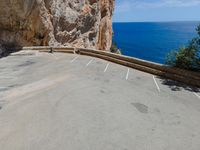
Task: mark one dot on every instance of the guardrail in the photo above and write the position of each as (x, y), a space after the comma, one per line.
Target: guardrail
(188, 77)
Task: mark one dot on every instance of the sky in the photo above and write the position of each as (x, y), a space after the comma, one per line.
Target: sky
(156, 10)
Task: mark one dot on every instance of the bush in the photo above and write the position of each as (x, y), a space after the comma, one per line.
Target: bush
(186, 57)
(115, 49)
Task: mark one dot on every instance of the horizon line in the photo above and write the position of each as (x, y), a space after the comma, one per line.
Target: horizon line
(156, 21)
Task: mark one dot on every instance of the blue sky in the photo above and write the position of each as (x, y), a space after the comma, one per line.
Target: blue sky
(156, 10)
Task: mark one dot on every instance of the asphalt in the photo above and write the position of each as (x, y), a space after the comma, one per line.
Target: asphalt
(66, 101)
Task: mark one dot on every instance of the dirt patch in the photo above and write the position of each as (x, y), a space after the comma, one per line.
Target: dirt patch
(141, 107)
(3, 89)
(27, 63)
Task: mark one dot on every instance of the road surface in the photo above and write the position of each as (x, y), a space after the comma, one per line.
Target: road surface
(71, 102)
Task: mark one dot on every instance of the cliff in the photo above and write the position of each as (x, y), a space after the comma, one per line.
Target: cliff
(79, 23)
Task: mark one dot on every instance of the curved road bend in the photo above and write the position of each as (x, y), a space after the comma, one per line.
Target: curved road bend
(64, 101)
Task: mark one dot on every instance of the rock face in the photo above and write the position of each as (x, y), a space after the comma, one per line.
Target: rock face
(79, 23)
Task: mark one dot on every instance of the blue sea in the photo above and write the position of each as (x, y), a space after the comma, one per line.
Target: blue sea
(152, 41)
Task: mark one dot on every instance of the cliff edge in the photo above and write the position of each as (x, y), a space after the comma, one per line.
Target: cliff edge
(78, 23)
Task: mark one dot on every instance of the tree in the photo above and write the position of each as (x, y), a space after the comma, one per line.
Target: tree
(186, 57)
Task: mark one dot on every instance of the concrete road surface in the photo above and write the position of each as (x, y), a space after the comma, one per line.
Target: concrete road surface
(71, 102)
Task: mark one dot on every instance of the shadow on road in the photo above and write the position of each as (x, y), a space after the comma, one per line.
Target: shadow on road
(6, 48)
(177, 86)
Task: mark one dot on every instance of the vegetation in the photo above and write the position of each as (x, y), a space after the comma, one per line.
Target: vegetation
(115, 49)
(186, 57)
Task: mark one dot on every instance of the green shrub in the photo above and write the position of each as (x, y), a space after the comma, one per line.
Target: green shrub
(115, 49)
(186, 57)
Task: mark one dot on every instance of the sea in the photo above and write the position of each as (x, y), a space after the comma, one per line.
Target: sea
(152, 41)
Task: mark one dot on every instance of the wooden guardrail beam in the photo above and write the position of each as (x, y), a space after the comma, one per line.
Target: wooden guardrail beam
(163, 68)
(177, 74)
(157, 72)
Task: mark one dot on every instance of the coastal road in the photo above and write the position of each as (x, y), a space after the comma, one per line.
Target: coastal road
(66, 101)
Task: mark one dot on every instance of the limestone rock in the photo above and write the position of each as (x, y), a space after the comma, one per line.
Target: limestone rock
(79, 23)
